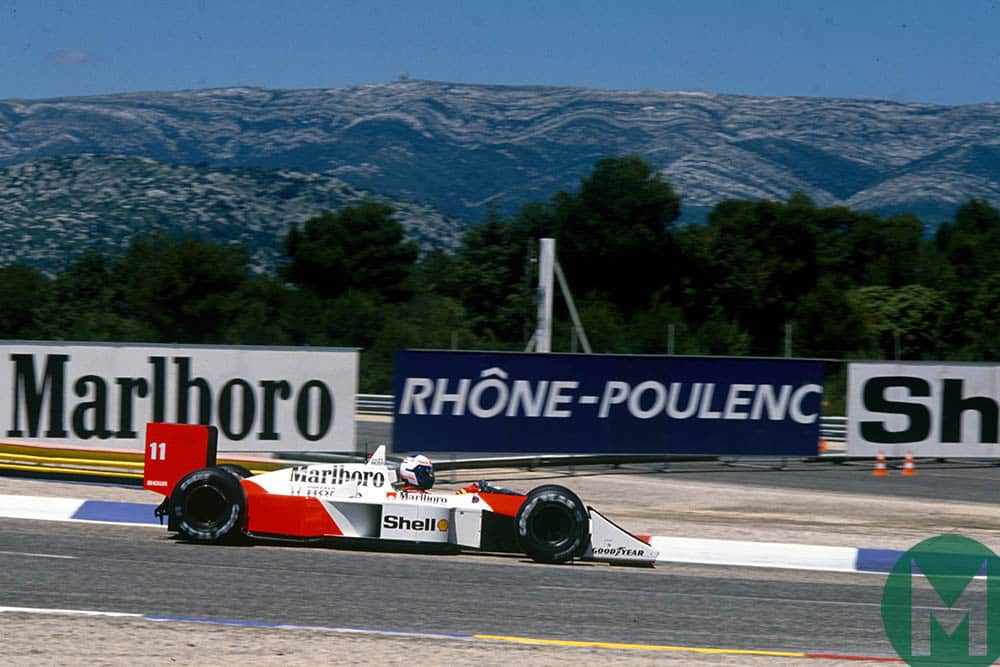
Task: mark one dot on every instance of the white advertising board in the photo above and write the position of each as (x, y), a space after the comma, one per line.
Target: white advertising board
(929, 409)
(261, 398)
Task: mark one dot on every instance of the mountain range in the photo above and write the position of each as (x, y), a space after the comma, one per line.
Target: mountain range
(52, 208)
(450, 151)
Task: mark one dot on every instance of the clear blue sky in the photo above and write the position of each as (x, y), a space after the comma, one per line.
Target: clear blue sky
(946, 52)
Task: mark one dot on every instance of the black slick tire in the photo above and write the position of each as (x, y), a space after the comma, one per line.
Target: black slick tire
(209, 505)
(553, 525)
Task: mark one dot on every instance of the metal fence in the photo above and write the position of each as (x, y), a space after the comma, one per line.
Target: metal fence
(833, 428)
(373, 404)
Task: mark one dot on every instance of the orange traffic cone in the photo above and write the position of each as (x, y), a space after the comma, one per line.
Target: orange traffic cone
(880, 469)
(909, 470)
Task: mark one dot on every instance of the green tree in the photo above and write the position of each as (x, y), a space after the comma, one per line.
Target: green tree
(969, 252)
(828, 324)
(182, 289)
(612, 235)
(359, 247)
(720, 336)
(497, 277)
(970, 245)
(907, 322)
(439, 272)
(886, 251)
(87, 303)
(651, 327)
(353, 319)
(694, 287)
(24, 295)
(265, 311)
(427, 321)
(982, 321)
(763, 260)
(606, 328)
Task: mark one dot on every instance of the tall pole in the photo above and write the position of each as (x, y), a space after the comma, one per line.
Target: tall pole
(575, 316)
(546, 264)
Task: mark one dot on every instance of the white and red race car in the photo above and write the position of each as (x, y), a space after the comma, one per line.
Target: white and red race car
(363, 503)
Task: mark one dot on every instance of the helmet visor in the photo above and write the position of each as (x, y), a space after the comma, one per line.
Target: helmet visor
(425, 476)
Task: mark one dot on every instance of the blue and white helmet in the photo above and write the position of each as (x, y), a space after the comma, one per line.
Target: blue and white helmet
(417, 470)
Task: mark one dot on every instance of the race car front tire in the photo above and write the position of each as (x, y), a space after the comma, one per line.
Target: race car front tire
(209, 505)
(553, 525)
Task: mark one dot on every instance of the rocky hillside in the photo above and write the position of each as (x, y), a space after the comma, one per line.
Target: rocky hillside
(52, 208)
(459, 147)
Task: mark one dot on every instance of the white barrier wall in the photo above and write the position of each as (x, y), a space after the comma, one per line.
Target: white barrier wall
(931, 409)
(261, 398)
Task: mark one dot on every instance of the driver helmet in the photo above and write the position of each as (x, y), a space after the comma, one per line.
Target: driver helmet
(417, 470)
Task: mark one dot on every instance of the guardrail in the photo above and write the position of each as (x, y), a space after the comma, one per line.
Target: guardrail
(831, 428)
(46, 461)
(373, 404)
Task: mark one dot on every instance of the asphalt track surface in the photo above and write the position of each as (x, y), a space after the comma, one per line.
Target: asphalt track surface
(142, 570)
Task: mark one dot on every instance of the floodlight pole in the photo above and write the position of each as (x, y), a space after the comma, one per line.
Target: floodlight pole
(546, 269)
(577, 323)
(548, 266)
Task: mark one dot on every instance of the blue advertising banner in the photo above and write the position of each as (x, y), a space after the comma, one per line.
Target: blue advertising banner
(605, 404)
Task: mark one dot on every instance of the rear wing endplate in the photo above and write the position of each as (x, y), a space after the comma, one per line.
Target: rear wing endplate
(174, 450)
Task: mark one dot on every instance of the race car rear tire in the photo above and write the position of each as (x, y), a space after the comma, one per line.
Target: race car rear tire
(235, 469)
(553, 525)
(209, 505)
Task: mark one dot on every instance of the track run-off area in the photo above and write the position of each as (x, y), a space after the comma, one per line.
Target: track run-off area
(82, 592)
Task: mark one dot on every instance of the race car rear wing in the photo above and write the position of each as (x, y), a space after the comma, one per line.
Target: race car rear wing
(174, 450)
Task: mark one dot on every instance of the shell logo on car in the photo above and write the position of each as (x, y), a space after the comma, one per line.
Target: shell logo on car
(394, 522)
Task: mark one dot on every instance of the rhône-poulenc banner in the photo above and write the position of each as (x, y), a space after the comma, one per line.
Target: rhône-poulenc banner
(605, 404)
(261, 398)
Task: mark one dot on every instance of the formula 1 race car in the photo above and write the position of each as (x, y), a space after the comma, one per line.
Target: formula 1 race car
(365, 504)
